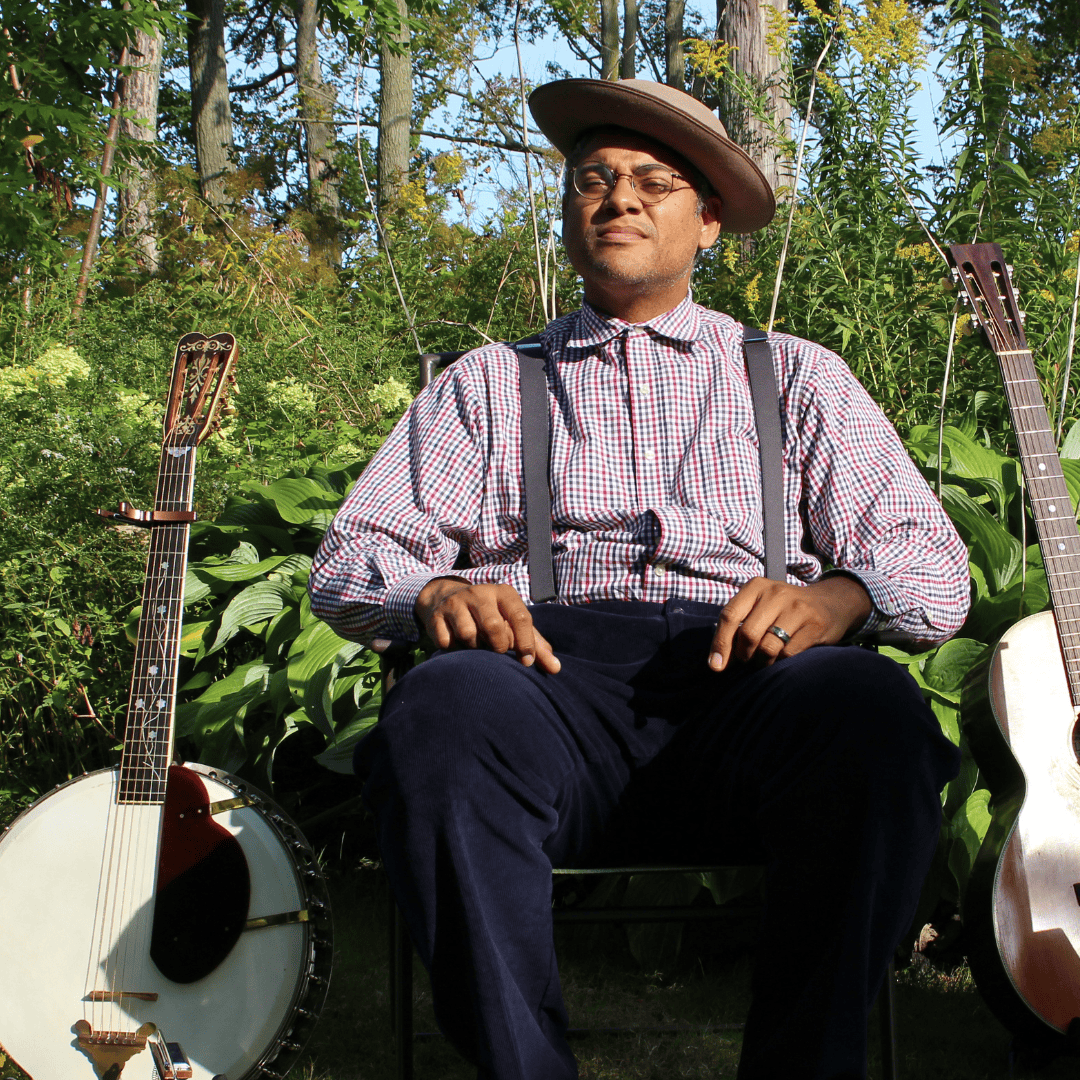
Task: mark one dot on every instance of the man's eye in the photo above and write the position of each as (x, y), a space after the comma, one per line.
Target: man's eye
(592, 181)
(653, 184)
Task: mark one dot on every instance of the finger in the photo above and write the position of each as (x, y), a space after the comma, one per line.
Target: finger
(731, 619)
(546, 659)
(459, 625)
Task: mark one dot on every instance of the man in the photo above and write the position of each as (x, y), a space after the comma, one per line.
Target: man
(671, 699)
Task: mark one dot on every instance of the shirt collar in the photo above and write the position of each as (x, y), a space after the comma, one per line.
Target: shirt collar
(587, 331)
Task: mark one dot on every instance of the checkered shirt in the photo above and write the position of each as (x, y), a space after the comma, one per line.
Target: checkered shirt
(655, 477)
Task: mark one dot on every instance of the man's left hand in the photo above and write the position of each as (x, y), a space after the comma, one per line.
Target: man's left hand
(819, 614)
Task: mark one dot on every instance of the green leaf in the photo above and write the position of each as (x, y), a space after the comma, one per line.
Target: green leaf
(315, 658)
(260, 601)
(223, 701)
(948, 667)
(966, 832)
(991, 545)
(338, 756)
(302, 502)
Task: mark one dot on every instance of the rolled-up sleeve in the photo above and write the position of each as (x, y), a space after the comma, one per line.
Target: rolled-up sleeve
(872, 514)
(406, 517)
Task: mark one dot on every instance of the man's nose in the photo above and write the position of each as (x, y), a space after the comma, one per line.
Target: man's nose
(623, 196)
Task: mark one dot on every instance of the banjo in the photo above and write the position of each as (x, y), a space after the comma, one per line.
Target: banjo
(162, 921)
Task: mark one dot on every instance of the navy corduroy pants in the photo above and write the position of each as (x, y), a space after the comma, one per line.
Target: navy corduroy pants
(483, 774)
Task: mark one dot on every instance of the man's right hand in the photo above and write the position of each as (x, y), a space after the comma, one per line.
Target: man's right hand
(458, 614)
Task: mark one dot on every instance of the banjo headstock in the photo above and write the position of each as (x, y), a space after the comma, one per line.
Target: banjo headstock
(201, 377)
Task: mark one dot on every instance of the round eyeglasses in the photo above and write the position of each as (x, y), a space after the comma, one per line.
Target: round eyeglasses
(651, 183)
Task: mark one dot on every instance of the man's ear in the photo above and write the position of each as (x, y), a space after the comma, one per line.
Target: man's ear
(711, 217)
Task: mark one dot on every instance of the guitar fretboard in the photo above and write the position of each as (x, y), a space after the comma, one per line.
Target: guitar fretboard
(1051, 506)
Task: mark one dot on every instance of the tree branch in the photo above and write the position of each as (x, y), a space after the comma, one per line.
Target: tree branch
(258, 84)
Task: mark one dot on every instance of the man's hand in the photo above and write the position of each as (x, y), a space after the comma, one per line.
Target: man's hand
(819, 614)
(457, 614)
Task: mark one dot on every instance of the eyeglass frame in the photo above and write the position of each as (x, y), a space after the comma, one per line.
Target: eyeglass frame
(642, 171)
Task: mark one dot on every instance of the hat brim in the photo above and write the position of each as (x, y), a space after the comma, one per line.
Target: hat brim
(566, 109)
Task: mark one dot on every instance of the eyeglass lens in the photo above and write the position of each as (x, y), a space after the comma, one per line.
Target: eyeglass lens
(652, 183)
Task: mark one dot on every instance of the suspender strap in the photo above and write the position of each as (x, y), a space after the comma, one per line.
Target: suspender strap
(535, 451)
(759, 366)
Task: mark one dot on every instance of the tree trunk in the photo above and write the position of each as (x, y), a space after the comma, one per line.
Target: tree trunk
(609, 39)
(211, 118)
(137, 194)
(628, 63)
(316, 101)
(395, 114)
(674, 61)
(743, 26)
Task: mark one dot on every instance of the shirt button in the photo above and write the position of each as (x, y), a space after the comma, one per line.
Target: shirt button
(643, 389)
(660, 569)
(650, 455)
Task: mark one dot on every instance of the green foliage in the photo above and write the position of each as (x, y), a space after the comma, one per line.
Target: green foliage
(64, 54)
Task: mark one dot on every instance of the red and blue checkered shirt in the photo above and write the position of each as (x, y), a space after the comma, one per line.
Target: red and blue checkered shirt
(655, 477)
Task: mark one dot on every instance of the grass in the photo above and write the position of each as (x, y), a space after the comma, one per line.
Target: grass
(944, 1031)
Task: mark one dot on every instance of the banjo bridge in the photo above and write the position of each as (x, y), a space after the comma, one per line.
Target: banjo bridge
(119, 995)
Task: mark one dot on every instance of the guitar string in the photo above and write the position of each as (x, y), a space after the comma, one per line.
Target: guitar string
(141, 779)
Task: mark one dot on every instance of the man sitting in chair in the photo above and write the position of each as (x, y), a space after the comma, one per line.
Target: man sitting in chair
(671, 699)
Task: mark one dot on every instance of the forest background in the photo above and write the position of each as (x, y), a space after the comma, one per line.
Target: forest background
(343, 185)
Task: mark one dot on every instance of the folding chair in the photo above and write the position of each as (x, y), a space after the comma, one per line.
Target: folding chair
(397, 660)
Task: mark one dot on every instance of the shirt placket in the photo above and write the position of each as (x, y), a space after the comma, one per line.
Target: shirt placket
(650, 465)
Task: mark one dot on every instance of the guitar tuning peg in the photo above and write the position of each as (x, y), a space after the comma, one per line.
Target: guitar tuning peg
(1023, 317)
(228, 410)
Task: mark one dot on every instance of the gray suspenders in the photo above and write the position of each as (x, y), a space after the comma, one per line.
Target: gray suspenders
(536, 443)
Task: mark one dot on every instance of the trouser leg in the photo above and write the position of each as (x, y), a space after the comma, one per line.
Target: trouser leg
(831, 766)
(482, 774)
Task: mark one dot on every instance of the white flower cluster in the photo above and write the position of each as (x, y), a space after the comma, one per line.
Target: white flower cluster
(390, 395)
(57, 365)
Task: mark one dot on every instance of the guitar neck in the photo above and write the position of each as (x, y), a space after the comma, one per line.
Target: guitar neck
(985, 277)
(1051, 506)
(148, 732)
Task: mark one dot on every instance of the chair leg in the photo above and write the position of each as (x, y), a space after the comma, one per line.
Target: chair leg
(887, 1009)
(401, 1006)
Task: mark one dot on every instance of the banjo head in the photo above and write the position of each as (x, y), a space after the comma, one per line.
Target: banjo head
(75, 954)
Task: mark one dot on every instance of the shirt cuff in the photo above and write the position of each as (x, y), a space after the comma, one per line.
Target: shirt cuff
(890, 604)
(399, 607)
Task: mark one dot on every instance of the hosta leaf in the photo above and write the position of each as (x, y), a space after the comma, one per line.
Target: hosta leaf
(302, 502)
(948, 667)
(338, 756)
(223, 701)
(966, 830)
(314, 661)
(260, 601)
(991, 545)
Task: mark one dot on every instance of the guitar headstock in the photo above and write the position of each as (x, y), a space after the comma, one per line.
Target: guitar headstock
(984, 275)
(202, 375)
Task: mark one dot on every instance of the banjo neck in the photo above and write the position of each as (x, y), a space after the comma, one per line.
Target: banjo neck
(201, 375)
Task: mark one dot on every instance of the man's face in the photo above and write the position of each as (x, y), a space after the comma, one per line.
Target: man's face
(635, 258)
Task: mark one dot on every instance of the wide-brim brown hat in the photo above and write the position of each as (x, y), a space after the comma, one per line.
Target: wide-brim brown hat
(566, 109)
